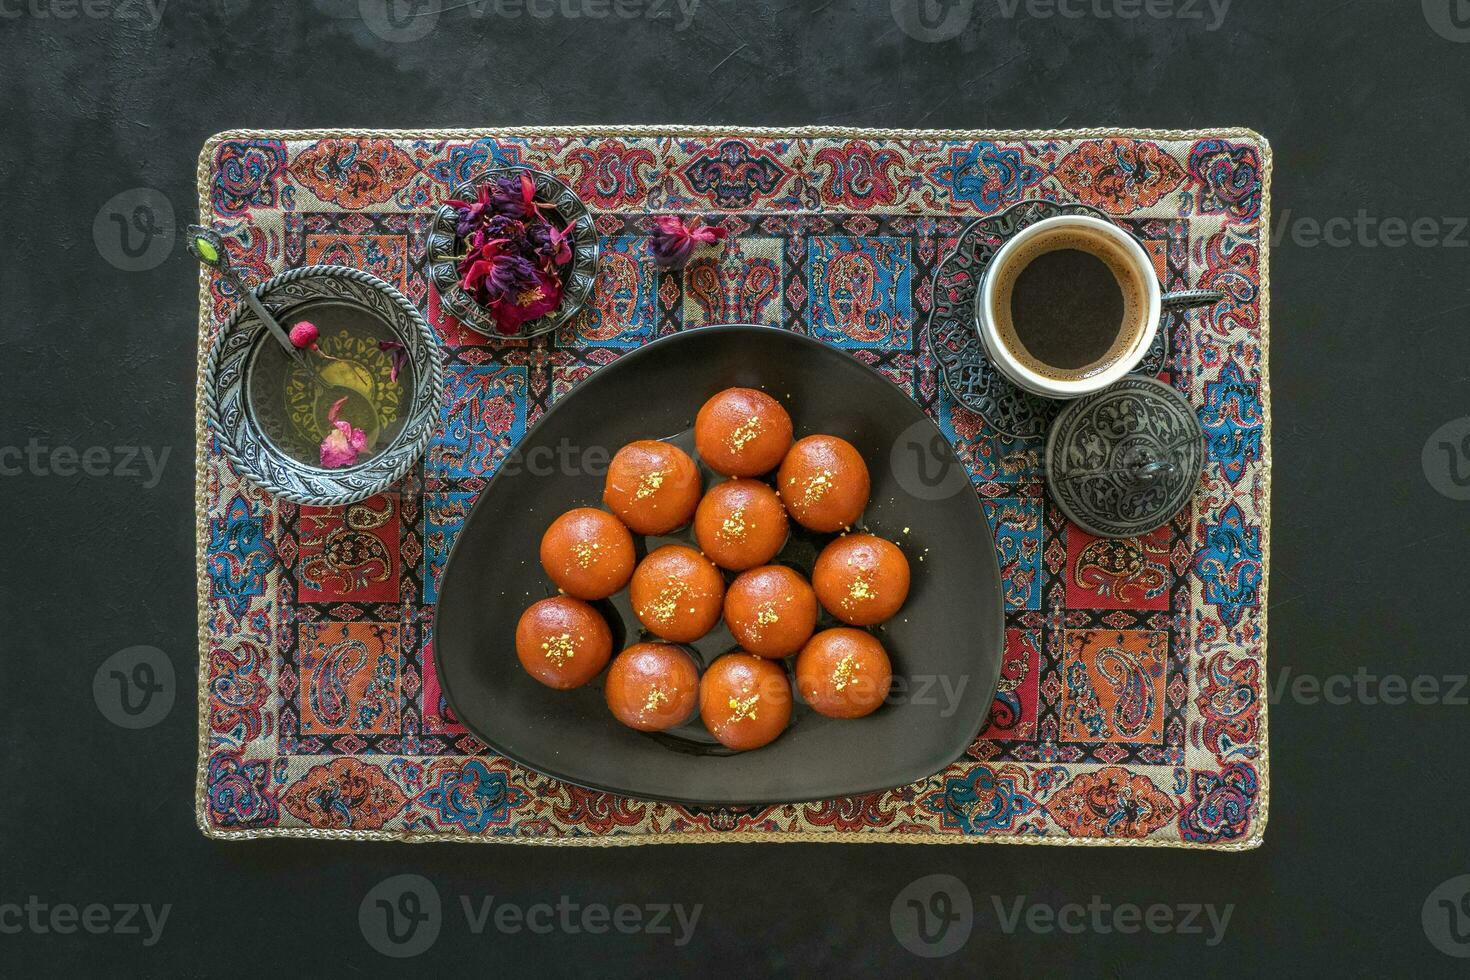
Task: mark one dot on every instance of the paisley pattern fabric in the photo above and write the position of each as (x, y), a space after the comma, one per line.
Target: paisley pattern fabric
(1131, 707)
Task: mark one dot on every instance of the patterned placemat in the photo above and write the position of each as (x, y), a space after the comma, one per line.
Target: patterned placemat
(1132, 706)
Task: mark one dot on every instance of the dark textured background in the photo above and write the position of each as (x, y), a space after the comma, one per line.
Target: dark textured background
(1364, 103)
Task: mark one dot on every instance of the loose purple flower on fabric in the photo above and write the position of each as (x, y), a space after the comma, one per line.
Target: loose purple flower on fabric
(674, 239)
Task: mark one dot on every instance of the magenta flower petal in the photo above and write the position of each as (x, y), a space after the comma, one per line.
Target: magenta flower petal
(561, 244)
(397, 353)
(343, 444)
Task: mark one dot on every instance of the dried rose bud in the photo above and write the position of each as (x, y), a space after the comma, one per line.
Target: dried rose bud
(304, 334)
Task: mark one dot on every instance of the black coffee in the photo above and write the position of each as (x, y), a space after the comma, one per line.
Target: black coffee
(1067, 308)
(1069, 305)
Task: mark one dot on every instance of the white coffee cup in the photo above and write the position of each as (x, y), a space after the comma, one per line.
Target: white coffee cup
(1148, 313)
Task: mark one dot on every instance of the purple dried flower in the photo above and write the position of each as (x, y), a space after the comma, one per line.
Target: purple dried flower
(674, 240)
(511, 251)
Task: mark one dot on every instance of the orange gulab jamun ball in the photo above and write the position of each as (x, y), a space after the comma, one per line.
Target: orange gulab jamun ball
(652, 687)
(652, 487)
(771, 611)
(843, 673)
(741, 524)
(742, 432)
(588, 553)
(824, 483)
(744, 700)
(861, 579)
(677, 593)
(562, 642)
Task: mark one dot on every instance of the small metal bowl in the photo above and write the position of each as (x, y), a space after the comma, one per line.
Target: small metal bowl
(580, 273)
(268, 411)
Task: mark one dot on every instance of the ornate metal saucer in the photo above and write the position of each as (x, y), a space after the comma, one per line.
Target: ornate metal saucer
(443, 248)
(267, 408)
(969, 375)
(1124, 460)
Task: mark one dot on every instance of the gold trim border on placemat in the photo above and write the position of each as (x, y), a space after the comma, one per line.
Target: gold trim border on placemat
(201, 533)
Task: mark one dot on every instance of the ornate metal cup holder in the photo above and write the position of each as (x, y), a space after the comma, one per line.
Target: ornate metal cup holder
(1119, 462)
(234, 416)
(968, 373)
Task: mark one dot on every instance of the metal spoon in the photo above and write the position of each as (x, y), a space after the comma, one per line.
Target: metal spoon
(208, 246)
